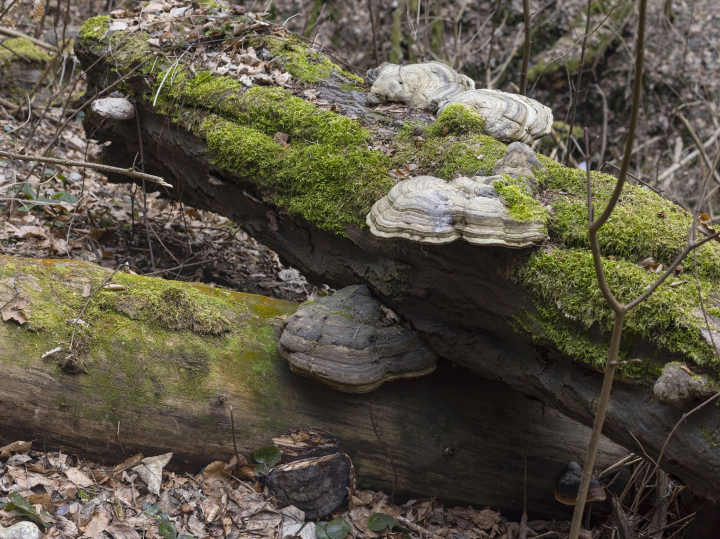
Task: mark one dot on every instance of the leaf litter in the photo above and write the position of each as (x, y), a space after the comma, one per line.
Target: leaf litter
(68, 497)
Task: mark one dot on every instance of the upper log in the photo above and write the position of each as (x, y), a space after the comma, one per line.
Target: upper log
(156, 366)
(300, 168)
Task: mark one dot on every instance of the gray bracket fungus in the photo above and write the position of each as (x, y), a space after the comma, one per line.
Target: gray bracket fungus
(426, 85)
(341, 340)
(676, 387)
(113, 108)
(519, 162)
(508, 117)
(431, 210)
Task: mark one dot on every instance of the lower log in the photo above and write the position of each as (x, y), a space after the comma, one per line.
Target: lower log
(156, 366)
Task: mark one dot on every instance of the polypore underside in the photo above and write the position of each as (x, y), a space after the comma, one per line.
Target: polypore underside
(462, 298)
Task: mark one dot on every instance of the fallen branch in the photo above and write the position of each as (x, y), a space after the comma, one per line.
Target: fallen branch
(671, 170)
(16, 33)
(95, 166)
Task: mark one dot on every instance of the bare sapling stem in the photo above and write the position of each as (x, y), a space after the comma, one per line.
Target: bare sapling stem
(619, 309)
(526, 47)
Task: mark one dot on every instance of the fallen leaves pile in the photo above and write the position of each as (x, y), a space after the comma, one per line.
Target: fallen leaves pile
(67, 497)
(178, 25)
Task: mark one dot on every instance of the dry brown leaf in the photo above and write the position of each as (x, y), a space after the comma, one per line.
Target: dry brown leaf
(282, 139)
(80, 479)
(216, 471)
(114, 286)
(150, 471)
(38, 10)
(15, 447)
(122, 531)
(86, 290)
(98, 523)
(687, 370)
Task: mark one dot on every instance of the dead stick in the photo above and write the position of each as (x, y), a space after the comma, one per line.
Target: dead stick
(16, 33)
(84, 164)
(237, 455)
(392, 464)
(142, 167)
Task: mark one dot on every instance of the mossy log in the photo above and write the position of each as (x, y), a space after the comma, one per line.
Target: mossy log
(533, 318)
(156, 366)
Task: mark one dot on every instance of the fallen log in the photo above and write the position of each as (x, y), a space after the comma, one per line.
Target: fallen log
(304, 166)
(155, 366)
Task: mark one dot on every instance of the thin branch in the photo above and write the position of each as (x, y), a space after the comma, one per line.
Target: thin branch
(576, 97)
(392, 463)
(92, 295)
(142, 167)
(16, 33)
(526, 47)
(619, 309)
(699, 145)
(84, 164)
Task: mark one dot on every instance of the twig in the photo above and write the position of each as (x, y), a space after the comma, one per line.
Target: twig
(92, 295)
(492, 42)
(608, 164)
(7, 10)
(392, 464)
(603, 147)
(698, 144)
(17, 33)
(576, 97)
(84, 164)
(142, 167)
(374, 35)
(232, 427)
(671, 170)
(526, 47)
(182, 266)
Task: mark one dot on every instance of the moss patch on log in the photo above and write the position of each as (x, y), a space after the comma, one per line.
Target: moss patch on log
(95, 27)
(21, 49)
(155, 342)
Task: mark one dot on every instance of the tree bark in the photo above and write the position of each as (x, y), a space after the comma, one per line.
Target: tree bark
(453, 435)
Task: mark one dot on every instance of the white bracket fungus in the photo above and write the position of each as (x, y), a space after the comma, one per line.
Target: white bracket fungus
(430, 210)
(425, 85)
(508, 117)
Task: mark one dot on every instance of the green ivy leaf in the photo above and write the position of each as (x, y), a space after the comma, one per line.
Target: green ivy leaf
(379, 521)
(269, 455)
(320, 532)
(19, 504)
(338, 528)
(167, 530)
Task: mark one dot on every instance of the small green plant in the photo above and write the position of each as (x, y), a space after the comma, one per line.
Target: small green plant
(23, 508)
(266, 457)
(335, 529)
(165, 528)
(377, 522)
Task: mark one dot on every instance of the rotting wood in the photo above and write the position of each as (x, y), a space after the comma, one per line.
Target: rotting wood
(452, 435)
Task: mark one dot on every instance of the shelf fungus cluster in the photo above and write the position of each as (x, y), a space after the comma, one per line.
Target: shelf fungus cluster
(426, 85)
(434, 86)
(508, 117)
(353, 343)
(431, 210)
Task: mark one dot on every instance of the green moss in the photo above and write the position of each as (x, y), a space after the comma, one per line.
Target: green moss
(24, 49)
(459, 120)
(95, 27)
(130, 49)
(325, 174)
(304, 64)
(520, 203)
(448, 157)
(153, 342)
(711, 439)
(564, 285)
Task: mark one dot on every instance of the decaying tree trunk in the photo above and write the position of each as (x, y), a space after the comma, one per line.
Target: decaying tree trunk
(299, 168)
(155, 367)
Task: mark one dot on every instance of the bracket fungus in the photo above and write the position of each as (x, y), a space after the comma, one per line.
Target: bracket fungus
(519, 162)
(317, 486)
(568, 486)
(676, 387)
(348, 342)
(508, 117)
(113, 108)
(430, 210)
(425, 85)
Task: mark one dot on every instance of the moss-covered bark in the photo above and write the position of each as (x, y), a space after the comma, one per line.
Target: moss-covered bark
(160, 363)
